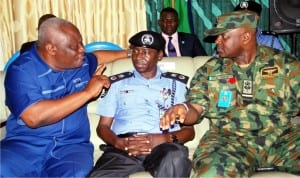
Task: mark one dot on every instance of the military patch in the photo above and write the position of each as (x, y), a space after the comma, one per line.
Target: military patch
(176, 76)
(247, 89)
(269, 72)
(121, 76)
(224, 98)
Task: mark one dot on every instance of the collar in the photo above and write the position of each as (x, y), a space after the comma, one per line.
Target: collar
(166, 37)
(139, 76)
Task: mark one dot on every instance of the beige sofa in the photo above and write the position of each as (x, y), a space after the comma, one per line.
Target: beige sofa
(184, 65)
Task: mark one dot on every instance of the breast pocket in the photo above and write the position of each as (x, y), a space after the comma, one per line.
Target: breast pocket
(129, 98)
(271, 94)
(78, 84)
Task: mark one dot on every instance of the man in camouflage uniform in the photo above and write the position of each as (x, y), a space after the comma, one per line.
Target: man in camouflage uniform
(249, 93)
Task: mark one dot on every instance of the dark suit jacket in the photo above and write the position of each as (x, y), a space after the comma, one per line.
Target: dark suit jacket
(189, 45)
(26, 46)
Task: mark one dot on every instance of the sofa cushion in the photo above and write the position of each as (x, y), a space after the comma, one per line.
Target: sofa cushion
(4, 112)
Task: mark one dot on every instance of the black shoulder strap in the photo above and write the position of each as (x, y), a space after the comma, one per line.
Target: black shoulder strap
(176, 76)
(120, 76)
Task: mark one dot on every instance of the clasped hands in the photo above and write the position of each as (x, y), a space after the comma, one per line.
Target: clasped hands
(139, 144)
(142, 144)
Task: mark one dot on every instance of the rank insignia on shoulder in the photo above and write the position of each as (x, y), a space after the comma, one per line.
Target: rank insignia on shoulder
(176, 76)
(120, 76)
(103, 93)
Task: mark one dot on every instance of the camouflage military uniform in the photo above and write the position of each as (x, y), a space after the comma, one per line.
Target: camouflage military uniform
(254, 130)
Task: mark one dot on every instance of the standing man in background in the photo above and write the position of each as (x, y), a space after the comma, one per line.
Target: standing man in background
(178, 43)
(28, 45)
(262, 37)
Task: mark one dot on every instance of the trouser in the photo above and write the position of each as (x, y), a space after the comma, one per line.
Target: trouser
(28, 156)
(234, 156)
(165, 160)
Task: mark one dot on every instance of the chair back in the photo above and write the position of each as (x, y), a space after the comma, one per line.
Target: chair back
(101, 45)
(12, 59)
(90, 47)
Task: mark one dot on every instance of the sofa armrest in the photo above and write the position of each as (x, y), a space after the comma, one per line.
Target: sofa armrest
(200, 61)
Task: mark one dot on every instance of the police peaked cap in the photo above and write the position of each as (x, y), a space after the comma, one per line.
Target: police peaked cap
(249, 5)
(148, 39)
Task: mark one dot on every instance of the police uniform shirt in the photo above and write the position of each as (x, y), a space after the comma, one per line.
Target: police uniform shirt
(268, 40)
(136, 103)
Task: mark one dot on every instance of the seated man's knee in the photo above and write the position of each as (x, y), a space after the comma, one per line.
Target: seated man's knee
(213, 169)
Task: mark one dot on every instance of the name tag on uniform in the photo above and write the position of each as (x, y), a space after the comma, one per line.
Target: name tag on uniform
(224, 98)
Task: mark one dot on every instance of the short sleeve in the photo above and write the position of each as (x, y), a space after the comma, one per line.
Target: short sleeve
(22, 89)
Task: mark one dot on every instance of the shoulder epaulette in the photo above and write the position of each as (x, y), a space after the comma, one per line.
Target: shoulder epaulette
(120, 76)
(176, 76)
(269, 33)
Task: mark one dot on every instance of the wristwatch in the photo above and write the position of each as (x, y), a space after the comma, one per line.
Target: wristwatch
(173, 138)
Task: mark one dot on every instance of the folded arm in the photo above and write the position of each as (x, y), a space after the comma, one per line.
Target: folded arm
(107, 56)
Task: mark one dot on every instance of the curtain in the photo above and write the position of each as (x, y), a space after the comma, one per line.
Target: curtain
(204, 15)
(98, 20)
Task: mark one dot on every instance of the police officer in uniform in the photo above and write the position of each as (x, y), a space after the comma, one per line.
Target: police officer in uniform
(130, 113)
(250, 94)
(267, 38)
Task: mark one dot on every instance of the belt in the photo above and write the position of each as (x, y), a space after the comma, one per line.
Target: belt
(129, 134)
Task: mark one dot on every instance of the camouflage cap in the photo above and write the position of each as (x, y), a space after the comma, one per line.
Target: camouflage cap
(233, 20)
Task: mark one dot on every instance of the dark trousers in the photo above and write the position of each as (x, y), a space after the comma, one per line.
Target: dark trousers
(165, 160)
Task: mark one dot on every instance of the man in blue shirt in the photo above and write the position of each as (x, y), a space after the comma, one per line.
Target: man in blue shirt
(264, 38)
(130, 113)
(47, 89)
